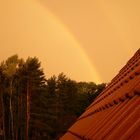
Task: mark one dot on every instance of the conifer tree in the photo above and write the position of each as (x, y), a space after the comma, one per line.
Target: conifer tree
(35, 79)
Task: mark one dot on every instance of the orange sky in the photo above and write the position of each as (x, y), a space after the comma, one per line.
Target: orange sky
(87, 40)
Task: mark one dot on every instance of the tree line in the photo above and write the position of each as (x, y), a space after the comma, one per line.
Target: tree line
(33, 107)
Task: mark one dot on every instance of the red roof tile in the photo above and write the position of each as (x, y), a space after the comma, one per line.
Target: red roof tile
(115, 114)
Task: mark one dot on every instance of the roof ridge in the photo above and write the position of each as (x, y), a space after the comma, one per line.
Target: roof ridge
(130, 74)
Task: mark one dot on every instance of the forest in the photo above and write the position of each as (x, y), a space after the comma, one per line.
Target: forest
(33, 107)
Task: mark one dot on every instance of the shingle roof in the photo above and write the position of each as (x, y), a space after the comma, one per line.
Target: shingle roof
(115, 114)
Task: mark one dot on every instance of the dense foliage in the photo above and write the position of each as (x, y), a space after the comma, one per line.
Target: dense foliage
(35, 108)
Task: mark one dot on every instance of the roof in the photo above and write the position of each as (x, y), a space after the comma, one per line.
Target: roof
(115, 114)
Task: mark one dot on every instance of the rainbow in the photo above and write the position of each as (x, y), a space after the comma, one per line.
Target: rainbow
(76, 45)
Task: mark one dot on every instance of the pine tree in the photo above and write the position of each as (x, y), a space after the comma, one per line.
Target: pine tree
(35, 79)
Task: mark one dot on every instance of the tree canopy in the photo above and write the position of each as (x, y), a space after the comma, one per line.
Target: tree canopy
(33, 105)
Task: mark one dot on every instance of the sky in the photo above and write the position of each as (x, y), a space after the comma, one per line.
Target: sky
(87, 40)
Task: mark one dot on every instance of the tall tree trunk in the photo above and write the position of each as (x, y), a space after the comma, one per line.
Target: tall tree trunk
(19, 129)
(11, 111)
(18, 118)
(28, 110)
(3, 114)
